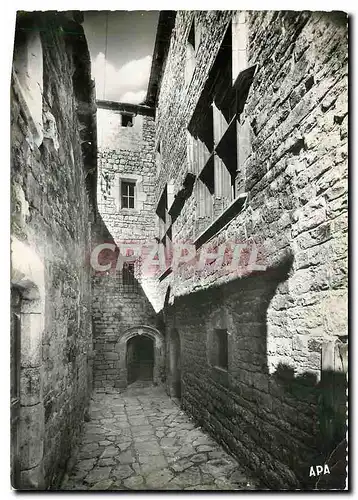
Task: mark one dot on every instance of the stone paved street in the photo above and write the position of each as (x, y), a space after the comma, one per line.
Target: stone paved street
(142, 440)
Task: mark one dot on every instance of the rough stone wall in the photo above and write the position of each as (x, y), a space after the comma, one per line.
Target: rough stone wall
(116, 308)
(275, 407)
(49, 183)
(123, 153)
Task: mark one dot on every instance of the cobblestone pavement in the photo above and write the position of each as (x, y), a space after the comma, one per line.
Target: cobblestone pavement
(142, 440)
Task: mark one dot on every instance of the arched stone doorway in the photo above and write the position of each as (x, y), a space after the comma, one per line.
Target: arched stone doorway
(174, 356)
(141, 355)
(140, 358)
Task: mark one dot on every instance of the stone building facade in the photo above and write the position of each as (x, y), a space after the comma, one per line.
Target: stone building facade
(53, 134)
(251, 124)
(124, 296)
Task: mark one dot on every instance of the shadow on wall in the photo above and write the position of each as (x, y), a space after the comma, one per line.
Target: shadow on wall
(279, 425)
(100, 232)
(329, 398)
(110, 278)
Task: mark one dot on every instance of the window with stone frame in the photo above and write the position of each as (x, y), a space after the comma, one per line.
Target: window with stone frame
(220, 349)
(128, 194)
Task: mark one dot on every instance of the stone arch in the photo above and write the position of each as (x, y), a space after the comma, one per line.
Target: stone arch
(159, 353)
(27, 277)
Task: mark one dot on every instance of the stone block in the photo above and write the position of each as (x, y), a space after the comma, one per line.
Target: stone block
(112, 355)
(31, 386)
(31, 435)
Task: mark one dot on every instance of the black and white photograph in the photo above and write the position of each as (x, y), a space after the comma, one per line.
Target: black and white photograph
(179, 250)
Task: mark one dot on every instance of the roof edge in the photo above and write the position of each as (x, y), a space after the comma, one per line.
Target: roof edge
(140, 109)
(165, 27)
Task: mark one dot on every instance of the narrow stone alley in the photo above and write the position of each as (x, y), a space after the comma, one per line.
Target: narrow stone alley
(142, 440)
(179, 250)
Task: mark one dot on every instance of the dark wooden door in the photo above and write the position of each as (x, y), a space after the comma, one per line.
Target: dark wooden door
(15, 346)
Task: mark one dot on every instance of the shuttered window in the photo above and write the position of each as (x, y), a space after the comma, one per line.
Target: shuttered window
(212, 146)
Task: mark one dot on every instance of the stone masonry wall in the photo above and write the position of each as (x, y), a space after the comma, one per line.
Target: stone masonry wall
(49, 183)
(116, 308)
(128, 153)
(280, 406)
(123, 153)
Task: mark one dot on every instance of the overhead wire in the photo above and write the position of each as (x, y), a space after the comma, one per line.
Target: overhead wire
(105, 58)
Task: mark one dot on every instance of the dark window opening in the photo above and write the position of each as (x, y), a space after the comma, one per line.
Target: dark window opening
(127, 192)
(221, 349)
(127, 120)
(191, 37)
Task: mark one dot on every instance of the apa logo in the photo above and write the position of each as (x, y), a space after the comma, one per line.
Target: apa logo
(319, 469)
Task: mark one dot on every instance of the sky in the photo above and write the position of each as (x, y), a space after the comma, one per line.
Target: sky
(121, 67)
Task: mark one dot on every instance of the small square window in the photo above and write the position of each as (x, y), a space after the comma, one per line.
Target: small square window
(127, 194)
(127, 120)
(221, 349)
